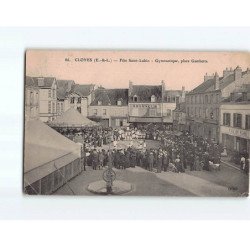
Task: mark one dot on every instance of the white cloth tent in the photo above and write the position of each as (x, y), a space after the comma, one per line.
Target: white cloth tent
(72, 118)
(45, 151)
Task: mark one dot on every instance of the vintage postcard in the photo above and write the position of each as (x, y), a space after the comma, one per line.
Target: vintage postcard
(136, 123)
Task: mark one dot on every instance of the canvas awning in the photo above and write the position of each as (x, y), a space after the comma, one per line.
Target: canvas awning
(72, 118)
(44, 148)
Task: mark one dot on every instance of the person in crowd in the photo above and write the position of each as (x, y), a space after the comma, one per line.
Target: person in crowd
(151, 160)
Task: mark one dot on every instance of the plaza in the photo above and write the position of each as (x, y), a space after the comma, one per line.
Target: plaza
(228, 182)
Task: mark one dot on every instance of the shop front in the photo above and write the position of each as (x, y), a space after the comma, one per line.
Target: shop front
(235, 139)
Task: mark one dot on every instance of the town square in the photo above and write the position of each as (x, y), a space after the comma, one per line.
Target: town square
(143, 139)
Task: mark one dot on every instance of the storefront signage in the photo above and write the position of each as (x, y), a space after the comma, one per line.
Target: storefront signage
(236, 132)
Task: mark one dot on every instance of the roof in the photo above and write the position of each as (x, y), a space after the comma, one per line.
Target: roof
(29, 82)
(206, 86)
(47, 81)
(72, 118)
(83, 89)
(172, 93)
(63, 88)
(110, 97)
(144, 92)
(43, 145)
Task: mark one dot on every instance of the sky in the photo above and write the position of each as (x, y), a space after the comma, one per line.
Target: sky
(114, 69)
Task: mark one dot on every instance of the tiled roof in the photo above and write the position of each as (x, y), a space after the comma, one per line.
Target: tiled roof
(63, 88)
(144, 92)
(83, 89)
(47, 81)
(110, 97)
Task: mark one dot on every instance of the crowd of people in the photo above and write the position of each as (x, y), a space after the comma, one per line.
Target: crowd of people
(175, 153)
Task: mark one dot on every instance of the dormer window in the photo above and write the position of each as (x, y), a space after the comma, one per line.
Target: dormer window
(153, 98)
(99, 103)
(135, 98)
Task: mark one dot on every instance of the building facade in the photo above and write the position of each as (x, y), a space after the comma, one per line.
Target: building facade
(170, 100)
(145, 103)
(31, 99)
(179, 117)
(235, 121)
(110, 107)
(47, 97)
(203, 102)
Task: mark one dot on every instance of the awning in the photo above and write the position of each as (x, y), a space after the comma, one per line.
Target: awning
(43, 149)
(72, 118)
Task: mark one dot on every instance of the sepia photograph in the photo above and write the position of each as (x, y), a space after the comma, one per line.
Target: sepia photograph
(136, 123)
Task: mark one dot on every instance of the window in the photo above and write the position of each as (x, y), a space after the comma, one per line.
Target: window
(79, 109)
(54, 93)
(117, 122)
(212, 98)
(31, 98)
(99, 103)
(72, 100)
(168, 112)
(217, 98)
(211, 113)
(135, 98)
(188, 111)
(95, 111)
(49, 107)
(217, 113)
(54, 107)
(206, 99)
(206, 112)
(237, 120)
(247, 121)
(61, 107)
(37, 97)
(79, 100)
(177, 99)
(226, 119)
(49, 93)
(104, 111)
(200, 112)
(153, 98)
(168, 99)
(152, 112)
(196, 99)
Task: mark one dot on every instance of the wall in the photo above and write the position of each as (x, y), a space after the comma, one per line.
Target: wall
(145, 109)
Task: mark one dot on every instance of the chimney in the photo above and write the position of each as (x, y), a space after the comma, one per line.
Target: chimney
(227, 72)
(162, 89)
(182, 92)
(207, 77)
(130, 87)
(216, 81)
(237, 73)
